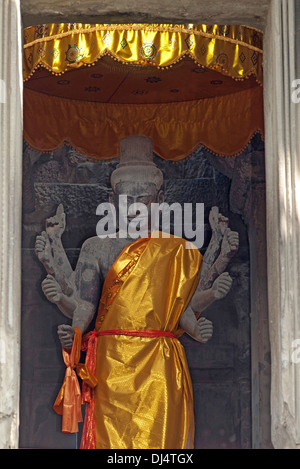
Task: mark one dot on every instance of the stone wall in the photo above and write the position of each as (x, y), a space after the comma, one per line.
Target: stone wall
(221, 370)
(140, 11)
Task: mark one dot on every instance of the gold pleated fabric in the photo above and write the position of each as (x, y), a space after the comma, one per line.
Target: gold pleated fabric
(234, 50)
(143, 399)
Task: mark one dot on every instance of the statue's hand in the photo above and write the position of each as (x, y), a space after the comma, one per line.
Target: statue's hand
(43, 249)
(203, 330)
(55, 226)
(230, 243)
(221, 286)
(51, 289)
(66, 336)
(218, 222)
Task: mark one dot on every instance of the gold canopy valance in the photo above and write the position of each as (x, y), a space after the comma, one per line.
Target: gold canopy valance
(234, 50)
(182, 85)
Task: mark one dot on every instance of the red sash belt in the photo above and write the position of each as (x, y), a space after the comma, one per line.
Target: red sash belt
(137, 333)
(89, 345)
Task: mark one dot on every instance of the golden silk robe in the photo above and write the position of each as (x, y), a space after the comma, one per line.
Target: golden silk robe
(143, 399)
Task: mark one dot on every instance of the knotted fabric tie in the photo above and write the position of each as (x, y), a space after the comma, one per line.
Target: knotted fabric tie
(68, 401)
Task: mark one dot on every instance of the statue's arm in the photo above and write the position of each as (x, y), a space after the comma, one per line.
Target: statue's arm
(213, 285)
(51, 253)
(61, 284)
(53, 292)
(201, 329)
(87, 284)
(229, 246)
(62, 270)
(218, 224)
(211, 254)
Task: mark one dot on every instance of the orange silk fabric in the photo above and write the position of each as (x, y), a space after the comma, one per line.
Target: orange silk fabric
(144, 394)
(68, 401)
(224, 124)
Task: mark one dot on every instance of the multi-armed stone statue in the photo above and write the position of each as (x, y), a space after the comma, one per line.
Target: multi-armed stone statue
(153, 289)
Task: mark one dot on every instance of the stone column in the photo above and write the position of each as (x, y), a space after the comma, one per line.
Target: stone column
(283, 216)
(10, 218)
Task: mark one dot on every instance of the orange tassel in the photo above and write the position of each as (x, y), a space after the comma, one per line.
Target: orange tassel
(68, 401)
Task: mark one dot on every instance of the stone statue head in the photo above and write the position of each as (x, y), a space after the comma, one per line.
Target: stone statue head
(137, 176)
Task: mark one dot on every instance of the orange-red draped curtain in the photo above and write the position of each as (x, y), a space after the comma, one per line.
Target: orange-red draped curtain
(224, 123)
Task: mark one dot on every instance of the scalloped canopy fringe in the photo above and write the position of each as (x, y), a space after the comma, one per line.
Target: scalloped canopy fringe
(96, 129)
(232, 50)
(116, 157)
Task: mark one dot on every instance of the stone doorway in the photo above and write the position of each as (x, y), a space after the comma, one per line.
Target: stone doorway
(221, 370)
(287, 414)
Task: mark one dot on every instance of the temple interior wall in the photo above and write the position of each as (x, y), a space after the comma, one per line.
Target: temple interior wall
(220, 371)
(282, 258)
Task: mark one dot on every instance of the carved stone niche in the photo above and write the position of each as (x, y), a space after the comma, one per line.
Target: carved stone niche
(248, 199)
(282, 205)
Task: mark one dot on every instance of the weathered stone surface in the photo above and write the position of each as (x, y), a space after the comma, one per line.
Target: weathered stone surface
(137, 11)
(78, 200)
(249, 170)
(189, 191)
(213, 433)
(95, 173)
(57, 166)
(220, 369)
(194, 166)
(27, 187)
(247, 198)
(41, 362)
(197, 166)
(282, 121)
(39, 417)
